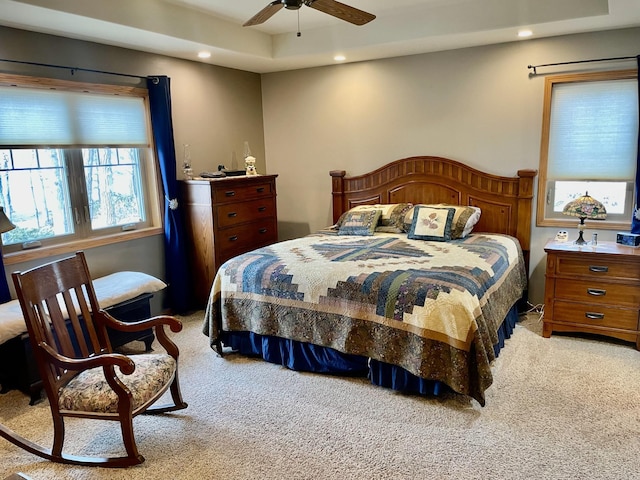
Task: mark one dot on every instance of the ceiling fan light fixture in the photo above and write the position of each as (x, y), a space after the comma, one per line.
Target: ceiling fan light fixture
(292, 5)
(339, 58)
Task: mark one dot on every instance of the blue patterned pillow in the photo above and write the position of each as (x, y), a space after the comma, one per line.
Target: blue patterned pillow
(391, 216)
(359, 222)
(431, 223)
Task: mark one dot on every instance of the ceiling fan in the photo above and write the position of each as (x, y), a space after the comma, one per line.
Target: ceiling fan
(331, 7)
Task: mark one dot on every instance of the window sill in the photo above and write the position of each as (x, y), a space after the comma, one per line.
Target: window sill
(588, 224)
(72, 247)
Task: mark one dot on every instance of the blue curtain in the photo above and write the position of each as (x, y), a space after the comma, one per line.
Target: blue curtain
(635, 221)
(5, 294)
(178, 292)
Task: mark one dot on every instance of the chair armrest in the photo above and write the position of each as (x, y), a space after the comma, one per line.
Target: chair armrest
(158, 321)
(127, 366)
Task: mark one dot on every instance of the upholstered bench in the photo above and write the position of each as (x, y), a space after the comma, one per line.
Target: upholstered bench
(125, 295)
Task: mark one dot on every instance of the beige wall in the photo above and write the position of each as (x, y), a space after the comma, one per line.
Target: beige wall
(214, 110)
(479, 106)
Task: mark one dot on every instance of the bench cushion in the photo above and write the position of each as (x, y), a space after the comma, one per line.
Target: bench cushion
(110, 290)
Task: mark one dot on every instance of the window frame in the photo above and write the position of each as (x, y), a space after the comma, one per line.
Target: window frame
(149, 172)
(542, 219)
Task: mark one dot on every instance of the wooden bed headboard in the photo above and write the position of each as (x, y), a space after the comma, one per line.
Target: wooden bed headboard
(505, 202)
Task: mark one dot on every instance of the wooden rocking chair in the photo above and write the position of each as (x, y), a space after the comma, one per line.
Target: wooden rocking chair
(81, 374)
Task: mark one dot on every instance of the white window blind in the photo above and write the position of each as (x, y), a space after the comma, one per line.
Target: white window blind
(593, 130)
(52, 118)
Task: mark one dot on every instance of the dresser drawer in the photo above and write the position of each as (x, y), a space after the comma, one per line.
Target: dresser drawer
(598, 292)
(237, 213)
(236, 240)
(595, 315)
(240, 193)
(597, 268)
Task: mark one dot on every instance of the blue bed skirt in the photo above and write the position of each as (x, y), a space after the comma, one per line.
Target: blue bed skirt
(312, 358)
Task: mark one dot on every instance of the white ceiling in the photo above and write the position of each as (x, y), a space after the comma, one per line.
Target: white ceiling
(181, 28)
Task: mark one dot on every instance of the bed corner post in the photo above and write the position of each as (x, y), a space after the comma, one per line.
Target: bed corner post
(337, 192)
(525, 201)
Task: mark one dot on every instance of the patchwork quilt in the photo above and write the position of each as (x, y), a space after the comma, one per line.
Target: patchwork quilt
(432, 308)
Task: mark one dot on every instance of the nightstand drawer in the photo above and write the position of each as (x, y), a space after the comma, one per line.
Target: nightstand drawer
(240, 193)
(595, 315)
(236, 213)
(596, 292)
(597, 268)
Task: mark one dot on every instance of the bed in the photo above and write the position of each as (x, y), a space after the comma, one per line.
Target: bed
(417, 285)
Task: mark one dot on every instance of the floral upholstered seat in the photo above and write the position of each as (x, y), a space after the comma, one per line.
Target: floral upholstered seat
(90, 392)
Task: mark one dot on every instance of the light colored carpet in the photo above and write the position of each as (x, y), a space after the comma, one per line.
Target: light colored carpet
(559, 408)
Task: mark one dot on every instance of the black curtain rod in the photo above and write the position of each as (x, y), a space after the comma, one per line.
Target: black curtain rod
(535, 67)
(79, 69)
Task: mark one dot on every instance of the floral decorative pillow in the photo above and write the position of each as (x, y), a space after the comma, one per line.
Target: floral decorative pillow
(431, 223)
(391, 217)
(464, 219)
(359, 222)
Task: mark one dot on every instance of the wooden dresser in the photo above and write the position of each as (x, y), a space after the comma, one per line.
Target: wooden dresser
(223, 218)
(593, 289)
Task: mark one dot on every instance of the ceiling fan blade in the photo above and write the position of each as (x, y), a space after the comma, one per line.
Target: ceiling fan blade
(265, 14)
(341, 11)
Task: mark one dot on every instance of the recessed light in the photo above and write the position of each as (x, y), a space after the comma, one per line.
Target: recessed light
(525, 33)
(204, 54)
(339, 58)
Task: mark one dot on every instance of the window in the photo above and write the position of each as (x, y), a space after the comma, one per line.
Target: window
(75, 162)
(589, 144)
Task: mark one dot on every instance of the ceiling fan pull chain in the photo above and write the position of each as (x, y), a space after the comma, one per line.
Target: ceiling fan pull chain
(298, 34)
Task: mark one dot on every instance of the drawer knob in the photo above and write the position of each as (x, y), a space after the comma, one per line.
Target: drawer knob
(260, 189)
(596, 292)
(233, 238)
(594, 316)
(230, 193)
(598, 268)
(262, 230)
(262, 209)
(232, 214)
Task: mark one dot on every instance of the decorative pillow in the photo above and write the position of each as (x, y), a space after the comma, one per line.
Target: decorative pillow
(431, 223)
(464, 219)
(359, 222)
(391, 217)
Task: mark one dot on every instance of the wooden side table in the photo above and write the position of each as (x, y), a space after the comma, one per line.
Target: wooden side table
(593, 289)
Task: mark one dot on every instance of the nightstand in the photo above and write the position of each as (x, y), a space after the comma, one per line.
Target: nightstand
(592, 289)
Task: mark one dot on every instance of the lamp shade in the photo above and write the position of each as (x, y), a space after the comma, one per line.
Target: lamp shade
(585, 207)
(5, 223)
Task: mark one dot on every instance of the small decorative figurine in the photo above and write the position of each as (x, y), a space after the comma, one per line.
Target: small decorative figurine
(250, 165)
(249, 160)
(186, 166)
